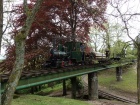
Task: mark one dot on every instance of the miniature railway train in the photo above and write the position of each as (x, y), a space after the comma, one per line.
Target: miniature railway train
(71, 54)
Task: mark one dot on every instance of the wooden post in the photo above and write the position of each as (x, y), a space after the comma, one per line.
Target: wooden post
(64, 88)
(118, 73)
(93, 86)
(73, 83)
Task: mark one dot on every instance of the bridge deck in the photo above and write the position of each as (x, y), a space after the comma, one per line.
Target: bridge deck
(55, 76)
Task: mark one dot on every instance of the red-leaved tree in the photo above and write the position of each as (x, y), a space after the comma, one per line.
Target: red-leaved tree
(65, 20)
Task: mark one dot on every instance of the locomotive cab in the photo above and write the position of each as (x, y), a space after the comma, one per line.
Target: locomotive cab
(73, 49)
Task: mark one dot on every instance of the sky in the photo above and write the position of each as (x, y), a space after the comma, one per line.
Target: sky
(126, 7)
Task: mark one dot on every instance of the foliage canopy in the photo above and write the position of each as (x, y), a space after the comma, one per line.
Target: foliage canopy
(64, 20)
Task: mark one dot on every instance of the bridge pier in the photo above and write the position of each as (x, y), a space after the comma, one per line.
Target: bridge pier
(93, 86)
(73, 83)
(119, 73)
(64, 88)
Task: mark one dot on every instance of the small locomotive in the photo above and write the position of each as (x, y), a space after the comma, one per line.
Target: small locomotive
(72, 53)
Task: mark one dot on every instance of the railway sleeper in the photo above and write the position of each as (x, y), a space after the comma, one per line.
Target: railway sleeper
(104, 95)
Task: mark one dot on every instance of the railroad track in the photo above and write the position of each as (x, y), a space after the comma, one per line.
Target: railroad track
(114, 97)
(36, 73)
(106, 95)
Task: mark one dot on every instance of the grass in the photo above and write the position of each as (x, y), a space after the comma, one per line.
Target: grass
(128, 84)
(46, 89)
(56, 87)
(106, 78)
(44, 100)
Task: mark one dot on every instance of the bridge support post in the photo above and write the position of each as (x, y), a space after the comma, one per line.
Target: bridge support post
(93, 86)
(64, 88)
(119, 73)
(73, 83)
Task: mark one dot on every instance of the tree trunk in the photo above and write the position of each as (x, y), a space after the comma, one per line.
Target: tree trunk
(1, 29)
(138, 74)
(73, 18)
(1, 21)
(95, 47)
(20, 50)
(15, 75)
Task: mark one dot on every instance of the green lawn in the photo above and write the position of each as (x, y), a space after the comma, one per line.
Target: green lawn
(45, 100)
(48, 90)
(44, 90)
(41, 98)
(128, 84)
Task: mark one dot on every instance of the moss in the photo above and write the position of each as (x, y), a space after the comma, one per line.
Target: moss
(20, 36)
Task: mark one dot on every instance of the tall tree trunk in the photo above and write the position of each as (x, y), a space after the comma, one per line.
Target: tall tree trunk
(1, 21)
(138, 73)
(15, 75)
(108, 41)
(95, 47)
(20, 50)
(73, 19)
(1, 28)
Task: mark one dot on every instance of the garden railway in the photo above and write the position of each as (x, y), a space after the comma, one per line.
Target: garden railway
(34, 78)
(65, 40)
(67, 63)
